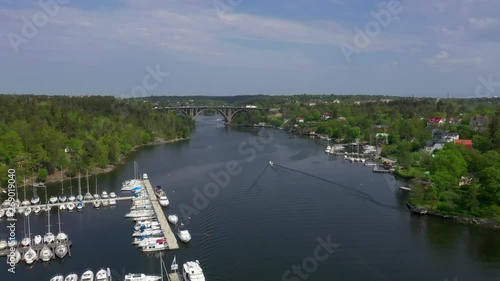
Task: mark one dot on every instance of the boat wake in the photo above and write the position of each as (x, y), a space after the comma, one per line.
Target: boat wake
(354, 192)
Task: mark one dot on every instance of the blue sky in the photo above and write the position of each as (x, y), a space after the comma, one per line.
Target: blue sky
(227, 47)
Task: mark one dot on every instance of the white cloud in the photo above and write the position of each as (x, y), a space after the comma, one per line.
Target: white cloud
(482, 23)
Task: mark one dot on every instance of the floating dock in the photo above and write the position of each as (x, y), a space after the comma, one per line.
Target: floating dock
(174, 276)
(160, 215)
(51, 205)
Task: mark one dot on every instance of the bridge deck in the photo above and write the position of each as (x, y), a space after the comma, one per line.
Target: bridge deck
(165, 227)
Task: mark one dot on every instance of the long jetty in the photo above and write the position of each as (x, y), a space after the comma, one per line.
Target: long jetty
(51, 205)
(160, 215)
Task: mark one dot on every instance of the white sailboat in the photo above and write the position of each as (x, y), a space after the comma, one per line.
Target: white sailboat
(104, 195)
(96, 194)
(71, 206)
(37, 240)
(16, 259)
(96, 203)
(62, 197)
(88, 195)
(112, 195)
(53, 199)
(26, 202)
(88, 275)
(191, 271)
(57, 278)
(79, 206)
(147, 232)
(2, 213)
(183, 234)
(139, 213)
(49, 237)
(35, 199)
(27, 211)
(26, 241)
(46, 254)
(61, 239)
(71, 277)
(103, 275)
(30, 256)
(37, 209)
(10, 213)
(71, 197)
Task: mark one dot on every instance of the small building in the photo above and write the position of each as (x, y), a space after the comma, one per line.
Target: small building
(435, 121)
(433, 146)
(299, 120)
(326, 116)
(454, 120)
(467, 143)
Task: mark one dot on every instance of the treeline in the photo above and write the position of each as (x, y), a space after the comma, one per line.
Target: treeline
(45, 133)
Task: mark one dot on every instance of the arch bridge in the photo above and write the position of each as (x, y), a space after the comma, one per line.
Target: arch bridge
(227, 112)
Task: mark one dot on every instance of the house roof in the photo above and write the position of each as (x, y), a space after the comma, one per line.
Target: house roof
(467, 143)
(434, 119)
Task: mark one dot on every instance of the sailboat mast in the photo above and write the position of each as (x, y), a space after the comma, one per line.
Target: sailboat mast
(48, 220)
(59, 219)
(79, 184)
(88, 186)
(71, 185)
(96, 184)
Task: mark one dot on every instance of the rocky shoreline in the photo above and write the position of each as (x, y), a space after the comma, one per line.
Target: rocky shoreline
(488, 223)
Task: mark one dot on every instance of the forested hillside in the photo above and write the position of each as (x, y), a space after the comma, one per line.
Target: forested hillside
(44, 133)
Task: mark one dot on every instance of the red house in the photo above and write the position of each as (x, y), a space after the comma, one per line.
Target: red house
(467, 143)
(435, 121)
(326, 116)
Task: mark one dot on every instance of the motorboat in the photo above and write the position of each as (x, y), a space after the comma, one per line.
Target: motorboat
(131, 184)
(37, 240)
(159, 245)
(104, 195)
(27, 211)
(140, 208)
(30, 256)
(183, 234)
(53, 199)
(173, 219)
(79, 206)
(147, 232)
(3, 244)
(191, 271)
(35, 200)
(143, 240)
(405, 188)
(159, 192)
(103, 275)
(57, 278)
(71, 277)
(271, 163)
(328, 149)
(97, 203)
(87, 276)
(70, 206)
(46, 254)
(2, 213)
(37, 210)
(163, 200)
(112, 195)
(62, 198)
(141, 277)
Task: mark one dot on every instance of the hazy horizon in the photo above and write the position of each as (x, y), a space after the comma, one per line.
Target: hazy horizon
(127, 48)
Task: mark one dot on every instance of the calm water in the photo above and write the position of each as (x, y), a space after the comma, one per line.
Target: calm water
(268, 219)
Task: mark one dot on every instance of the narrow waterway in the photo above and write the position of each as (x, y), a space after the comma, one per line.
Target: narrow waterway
(255, 222)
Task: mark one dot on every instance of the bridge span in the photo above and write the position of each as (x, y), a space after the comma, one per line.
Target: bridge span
(227, 112)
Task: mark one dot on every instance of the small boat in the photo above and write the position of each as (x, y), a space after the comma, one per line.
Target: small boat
(146, 227)
(53, 199)
(25, 203)
(35, 200)
(163, 200)
(105, 202)
(104, 195)
(103, 275)
(3, 244)
(37, 240)
(88, 196)
(62, 207)
(2, 213)
(27, 211)
(87, 276)
(37, 210)
(30, 256)
(328, 149)
(144, 240)
(61, 250)
(183, 234)
(191, 271)
(10, 213)
(70, 206)
(96, 196)
(159, 245)
(112, 202)
(46, 254)
(112, 195)
(79, 206)
(49, 238)
(26, 242)
(62, 198)
(12, 243)
(173, 219)
(71, 277)
(57, 278)
(79, 197)
(5, 204)
(71, 198)
(140, 213)
(141, 277)
(271, 163)
(16, 259)
(97, 204)
(405, 188)
(147, 232)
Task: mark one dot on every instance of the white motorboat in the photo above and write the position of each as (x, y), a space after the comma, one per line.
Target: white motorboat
(3, 244)
(173, 219)
(141, 277)
(183, 234)
(87, 276)
(96, 203)
(144, 240)
(27, 211)
(405, 188)
(104, 195)
(71, 277)
(35, 200)
(163, 200)
(2, 213)
(37, 240)
(57, 278)
(15, 258)
(159, 245)
(271, 163)
(141, 213)
(46, 254)
(37, 209)
(30, 256)
(328, 149)
(147, 232)
(53, 199)
(112, 195)
(191, 271)
(103, 275)
(70, 206)
(79, 206)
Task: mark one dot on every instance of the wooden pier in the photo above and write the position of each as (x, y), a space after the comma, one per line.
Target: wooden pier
(174, 276)
(160, 215)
